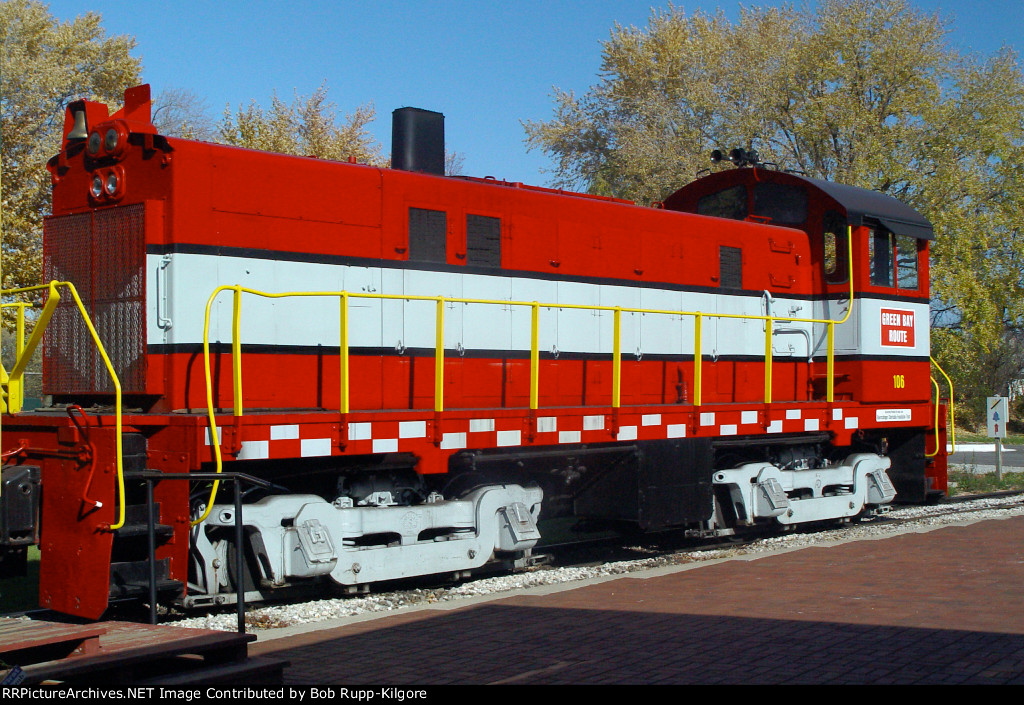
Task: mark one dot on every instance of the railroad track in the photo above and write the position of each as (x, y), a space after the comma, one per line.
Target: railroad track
(576, 559)
(677, 541)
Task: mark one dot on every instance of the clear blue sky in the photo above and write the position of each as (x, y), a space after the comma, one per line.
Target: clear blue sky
(485, 65)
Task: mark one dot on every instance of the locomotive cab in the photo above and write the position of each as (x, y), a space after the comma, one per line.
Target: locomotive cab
(882, 352)
(887, 234)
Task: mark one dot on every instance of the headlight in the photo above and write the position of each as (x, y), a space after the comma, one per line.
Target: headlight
(111, 184)
(93, 146)
(96, 187)
(110, 141)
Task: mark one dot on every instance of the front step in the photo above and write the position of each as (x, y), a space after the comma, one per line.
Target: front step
(136, 520)
(129, 564)
(131, 579)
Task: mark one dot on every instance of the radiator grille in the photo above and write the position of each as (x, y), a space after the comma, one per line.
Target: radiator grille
(103, 255)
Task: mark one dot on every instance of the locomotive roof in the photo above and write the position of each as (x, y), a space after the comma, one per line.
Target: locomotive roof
(859, 203)
(862, 203)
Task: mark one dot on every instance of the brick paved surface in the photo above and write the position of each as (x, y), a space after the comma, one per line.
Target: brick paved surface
(946, 606)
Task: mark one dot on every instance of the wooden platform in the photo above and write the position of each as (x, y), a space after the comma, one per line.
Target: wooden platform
(131, 654)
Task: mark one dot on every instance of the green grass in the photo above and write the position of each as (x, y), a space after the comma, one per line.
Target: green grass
(962, 482)
(17, 594)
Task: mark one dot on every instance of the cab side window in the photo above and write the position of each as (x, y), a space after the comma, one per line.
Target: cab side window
(906, 262)
(836, 257)
(880, 251)
(893, 260)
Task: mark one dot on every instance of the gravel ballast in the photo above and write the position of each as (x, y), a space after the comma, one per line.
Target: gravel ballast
(279, 620)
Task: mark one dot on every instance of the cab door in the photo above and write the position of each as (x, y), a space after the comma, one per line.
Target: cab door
(836, 276)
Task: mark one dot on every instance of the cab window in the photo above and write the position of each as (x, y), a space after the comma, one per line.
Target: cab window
(783, 204)
(880, 250)
(893, 259)
(906, 262)
(835, 262)
(729, 203)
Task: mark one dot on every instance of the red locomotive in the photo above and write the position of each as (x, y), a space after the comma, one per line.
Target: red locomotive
(399, 369)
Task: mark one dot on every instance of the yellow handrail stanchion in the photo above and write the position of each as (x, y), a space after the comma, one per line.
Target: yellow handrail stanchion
(15, 397)
(616, 357)
(849, 275)
(16, 387)
(439, 357)
(534, 356)
(697, 353)
(769, 322)
(343, 354)
(952, 404)
(20, 331)
(830, 364)
(935, 386)
(236, 349)
(211, 416)
(5, 386)
(17, 390)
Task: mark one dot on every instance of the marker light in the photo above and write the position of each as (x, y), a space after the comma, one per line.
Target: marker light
(96, 187)
(111, 184)
(94, 143)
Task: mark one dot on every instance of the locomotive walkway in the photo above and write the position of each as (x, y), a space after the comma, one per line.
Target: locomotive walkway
(946, 606)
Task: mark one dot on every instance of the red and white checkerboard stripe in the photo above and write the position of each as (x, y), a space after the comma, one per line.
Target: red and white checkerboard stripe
(306, 440)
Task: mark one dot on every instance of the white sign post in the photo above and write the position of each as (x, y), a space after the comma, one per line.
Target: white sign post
(998, 412)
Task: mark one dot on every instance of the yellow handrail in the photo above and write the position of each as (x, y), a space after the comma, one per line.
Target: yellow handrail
(952, 411)
(616, 357)
(15, 389)
(344, 358)
(52, 299)
(438, 357)
(935, 386)
(440, 301)
(698, 363)
(535, 355)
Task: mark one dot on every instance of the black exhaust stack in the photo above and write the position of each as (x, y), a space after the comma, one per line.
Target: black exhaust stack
(417, 140)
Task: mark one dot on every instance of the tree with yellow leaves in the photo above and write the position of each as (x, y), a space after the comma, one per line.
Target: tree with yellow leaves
(308, 126)
(44, 64)
(862, 92)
